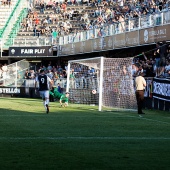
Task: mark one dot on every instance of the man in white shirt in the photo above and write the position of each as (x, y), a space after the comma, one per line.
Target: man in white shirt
(121, 2)
(50, 74)
(140, 84)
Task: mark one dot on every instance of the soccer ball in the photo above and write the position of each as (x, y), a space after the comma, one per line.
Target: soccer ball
(94, 91)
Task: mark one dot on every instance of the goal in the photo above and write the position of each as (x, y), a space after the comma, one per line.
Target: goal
(14, 75)
(103, 82)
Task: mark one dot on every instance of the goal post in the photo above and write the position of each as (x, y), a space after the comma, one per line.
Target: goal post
(103, 82)
(68, 77)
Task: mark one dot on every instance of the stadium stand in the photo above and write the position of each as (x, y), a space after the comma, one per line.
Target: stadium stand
(5, 11)
(48, 19)
(42, 24)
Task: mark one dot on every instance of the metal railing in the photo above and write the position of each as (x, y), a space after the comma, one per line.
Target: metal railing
(13, 18)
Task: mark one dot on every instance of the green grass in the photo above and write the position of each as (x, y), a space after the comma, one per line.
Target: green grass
(80, 138)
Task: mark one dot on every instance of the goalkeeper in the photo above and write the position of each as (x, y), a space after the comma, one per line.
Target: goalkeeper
(54, 93)
(64, 99)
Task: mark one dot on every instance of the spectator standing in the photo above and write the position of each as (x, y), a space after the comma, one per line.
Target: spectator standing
(163, 53)
(42, 6)
(149, 68)
(28, 24)
(50, 74)
(167, 69)
(121, 3)
(35, 30)
(49, 67)
(60, 69)
(44, 68)
(26, 74)
(58, 9)
(9, 3)
(59, 88)
(31, 74)
(134, 70)
(157, 59)
(54, 36)
(54, 69)
(38, 32)
(30, 4)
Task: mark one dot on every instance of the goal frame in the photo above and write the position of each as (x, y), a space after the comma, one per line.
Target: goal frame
(100, 76)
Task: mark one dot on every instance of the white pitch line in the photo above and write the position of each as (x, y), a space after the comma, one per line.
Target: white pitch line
(85, 138)
(153, 120)
(40, 115)
(156, 120)
(144, 118)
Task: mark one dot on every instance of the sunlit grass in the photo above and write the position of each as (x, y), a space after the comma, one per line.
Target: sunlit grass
(81, 137)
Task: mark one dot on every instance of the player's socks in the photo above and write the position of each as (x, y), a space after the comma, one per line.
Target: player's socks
(47, 101)
(44, 105)
(47, 107)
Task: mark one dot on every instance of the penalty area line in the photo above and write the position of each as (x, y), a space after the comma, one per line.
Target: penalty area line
(144, 118)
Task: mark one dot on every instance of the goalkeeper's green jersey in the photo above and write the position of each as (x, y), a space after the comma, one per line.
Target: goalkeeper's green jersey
(56, 93)
(64, 98)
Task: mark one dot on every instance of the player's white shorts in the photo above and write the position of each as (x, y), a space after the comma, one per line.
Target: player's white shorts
(44, 94)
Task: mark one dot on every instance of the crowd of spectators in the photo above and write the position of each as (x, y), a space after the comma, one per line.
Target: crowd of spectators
(51, 25)
(5, 2)
(53, 71)
(103, 12)
(58, 72)
(155, 63)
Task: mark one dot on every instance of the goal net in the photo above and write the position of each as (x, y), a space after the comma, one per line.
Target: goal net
(14, 74)
(103, 82)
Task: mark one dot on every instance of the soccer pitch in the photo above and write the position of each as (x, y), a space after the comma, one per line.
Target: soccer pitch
(80, 137)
